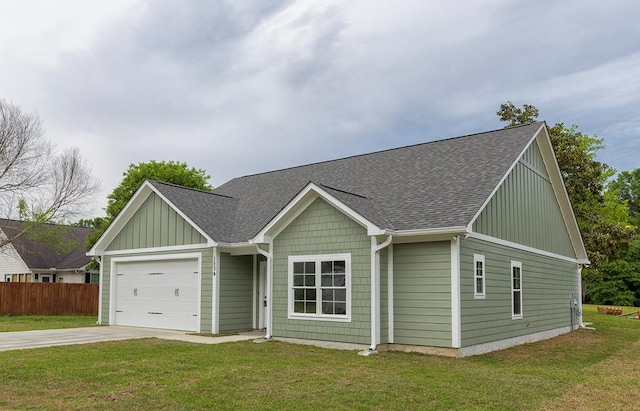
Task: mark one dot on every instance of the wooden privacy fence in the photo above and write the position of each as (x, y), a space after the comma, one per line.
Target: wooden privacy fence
(48, 299)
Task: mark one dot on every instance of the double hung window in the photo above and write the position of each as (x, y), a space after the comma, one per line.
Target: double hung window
(516, 289)
(320, 287)
(478, 276)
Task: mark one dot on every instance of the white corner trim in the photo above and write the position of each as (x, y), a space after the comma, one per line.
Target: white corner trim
(254, 309)
(521, 247)
(215, 293)
(100, 290)
(456, 332)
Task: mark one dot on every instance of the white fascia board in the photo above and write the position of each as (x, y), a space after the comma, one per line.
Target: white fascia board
(455, 230)
(299, 203)
(557, 183)
(129, 210)
(553, 169)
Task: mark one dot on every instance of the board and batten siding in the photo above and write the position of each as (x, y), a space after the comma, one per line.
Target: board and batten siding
(322, 229)
(155, 224)
(236, 293)
(422, 293)
(524, 209)
(547, 285)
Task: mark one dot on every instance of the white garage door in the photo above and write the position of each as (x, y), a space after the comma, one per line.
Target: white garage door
(157, 294)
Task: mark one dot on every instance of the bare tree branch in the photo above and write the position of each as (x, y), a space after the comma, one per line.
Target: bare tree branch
(35, 183)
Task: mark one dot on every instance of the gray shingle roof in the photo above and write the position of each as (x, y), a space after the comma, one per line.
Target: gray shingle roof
(37, 250)
(213, 213)
(425, 186)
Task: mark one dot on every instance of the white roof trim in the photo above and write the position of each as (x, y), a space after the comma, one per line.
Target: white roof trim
(136, 201)
(562, 197)
(299, 203)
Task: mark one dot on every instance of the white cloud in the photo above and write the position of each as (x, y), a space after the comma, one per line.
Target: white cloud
(238, 87)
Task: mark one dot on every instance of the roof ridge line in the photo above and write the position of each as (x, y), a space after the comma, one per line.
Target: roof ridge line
(191, 189)
(344, 191)
(387, 150)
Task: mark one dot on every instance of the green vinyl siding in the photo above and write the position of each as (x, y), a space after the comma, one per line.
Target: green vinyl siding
(524, 210)
(547, 285)
(422, 293)
(206, 284)
(322, 229)
(236, 291)
(155, 224)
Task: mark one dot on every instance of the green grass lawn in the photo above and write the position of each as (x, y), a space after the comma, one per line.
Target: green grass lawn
(581, 370)
(44, 322)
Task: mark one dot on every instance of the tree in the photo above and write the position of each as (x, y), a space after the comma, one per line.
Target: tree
(626, 187)
(164, 171)
(508, 112)
(37, 184)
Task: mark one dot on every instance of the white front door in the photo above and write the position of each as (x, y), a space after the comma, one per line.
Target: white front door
(262, 294)
(158, 294)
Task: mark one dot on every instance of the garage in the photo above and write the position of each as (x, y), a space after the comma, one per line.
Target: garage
(157, 293)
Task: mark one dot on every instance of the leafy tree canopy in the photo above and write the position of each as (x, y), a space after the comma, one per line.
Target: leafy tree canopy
(172, 172)
(508, 112)
(164, 171)
(626, 187)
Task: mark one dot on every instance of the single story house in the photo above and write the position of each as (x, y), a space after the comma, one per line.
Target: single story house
(458, 247)
(47, 253)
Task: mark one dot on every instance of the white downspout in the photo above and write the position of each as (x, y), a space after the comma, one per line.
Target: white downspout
(390, 309)
(375, 292)
(269, 287)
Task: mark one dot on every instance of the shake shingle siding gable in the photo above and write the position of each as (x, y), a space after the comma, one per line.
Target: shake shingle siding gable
(431, 185)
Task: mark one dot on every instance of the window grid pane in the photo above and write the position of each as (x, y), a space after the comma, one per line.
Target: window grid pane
(332, 286)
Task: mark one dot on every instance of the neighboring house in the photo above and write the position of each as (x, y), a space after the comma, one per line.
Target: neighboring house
(48, 253)
(458, 247)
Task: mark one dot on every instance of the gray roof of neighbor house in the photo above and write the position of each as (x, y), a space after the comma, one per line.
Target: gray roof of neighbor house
(37, 248)
(424, 186)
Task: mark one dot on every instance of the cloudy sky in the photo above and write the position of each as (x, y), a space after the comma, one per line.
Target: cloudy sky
(239, 87)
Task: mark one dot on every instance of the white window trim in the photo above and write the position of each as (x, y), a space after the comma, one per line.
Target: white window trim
(515, 264)
(319, 257)
(479, 258)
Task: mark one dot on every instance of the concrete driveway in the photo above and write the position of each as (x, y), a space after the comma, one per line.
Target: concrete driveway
(69, 336)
